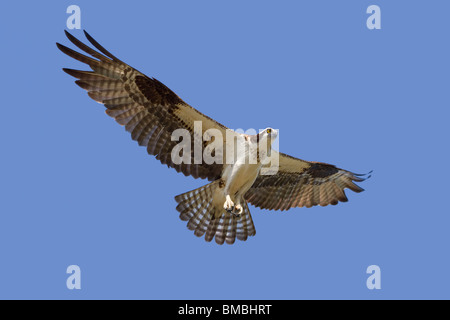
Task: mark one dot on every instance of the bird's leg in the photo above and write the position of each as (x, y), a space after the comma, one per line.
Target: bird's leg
(238, 209)
(228, 205)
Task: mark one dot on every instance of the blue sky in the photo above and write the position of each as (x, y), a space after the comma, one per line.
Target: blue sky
(75, 189)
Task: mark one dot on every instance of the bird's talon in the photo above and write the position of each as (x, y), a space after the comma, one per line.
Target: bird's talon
(228, 205)
(238, 209)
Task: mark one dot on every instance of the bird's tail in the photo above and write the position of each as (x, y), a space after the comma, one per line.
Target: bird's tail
(208, 217)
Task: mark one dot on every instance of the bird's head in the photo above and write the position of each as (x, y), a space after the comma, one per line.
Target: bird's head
(265, 139)
(270, 134)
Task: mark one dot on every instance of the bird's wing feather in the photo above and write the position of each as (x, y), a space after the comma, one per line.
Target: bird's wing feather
(300, 183)
(148, 109)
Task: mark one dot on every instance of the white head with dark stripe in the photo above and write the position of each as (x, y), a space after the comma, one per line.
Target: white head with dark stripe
(264, 139)
(268, 134)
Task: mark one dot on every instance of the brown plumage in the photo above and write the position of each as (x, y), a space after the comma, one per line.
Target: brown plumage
(300, 183)
(150, 111)
(147, 108)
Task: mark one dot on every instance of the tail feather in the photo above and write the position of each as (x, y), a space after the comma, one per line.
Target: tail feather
(222, 229)
(212, 228)
(245, 227)
(197, 207)
(231, 234)
(200, 216)
(190, 202)
(202, 225)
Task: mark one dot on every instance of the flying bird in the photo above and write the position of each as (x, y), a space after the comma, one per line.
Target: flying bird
(151, 112)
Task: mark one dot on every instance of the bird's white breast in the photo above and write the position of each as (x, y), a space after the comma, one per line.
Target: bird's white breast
(240, 175)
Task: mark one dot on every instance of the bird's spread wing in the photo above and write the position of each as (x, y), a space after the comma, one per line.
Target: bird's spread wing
(300, 183)
(148, 109)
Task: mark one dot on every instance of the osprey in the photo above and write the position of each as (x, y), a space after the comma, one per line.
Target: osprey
(151, 112)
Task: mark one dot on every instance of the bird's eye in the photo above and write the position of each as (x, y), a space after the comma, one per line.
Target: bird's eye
(269, 130)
